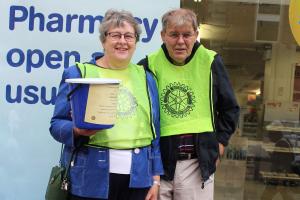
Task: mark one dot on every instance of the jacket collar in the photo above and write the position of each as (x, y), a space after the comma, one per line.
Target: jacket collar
(95, 57)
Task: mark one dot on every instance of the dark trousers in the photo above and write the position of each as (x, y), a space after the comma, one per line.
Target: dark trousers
(119, 190)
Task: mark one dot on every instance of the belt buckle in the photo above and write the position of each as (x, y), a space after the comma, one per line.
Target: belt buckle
(185, 156)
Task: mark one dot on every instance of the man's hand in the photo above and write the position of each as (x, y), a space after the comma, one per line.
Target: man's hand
(221, 149)
(84, 132)
(221, 152)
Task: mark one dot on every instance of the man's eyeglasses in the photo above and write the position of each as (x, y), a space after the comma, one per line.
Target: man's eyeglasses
(116, 36)
(185, 36)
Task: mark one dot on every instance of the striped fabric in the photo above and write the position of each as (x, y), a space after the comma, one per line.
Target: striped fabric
(186, 144)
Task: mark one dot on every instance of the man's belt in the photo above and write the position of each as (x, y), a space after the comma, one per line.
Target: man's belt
(186, 156)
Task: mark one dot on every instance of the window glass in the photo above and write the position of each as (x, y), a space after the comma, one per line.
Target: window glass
(258, 43)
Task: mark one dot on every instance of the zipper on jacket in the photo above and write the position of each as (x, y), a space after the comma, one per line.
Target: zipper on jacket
(150, 106)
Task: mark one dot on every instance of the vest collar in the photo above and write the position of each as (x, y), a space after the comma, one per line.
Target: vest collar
(195, 47)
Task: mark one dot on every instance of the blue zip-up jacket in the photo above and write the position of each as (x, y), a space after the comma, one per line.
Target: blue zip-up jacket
(90, 170)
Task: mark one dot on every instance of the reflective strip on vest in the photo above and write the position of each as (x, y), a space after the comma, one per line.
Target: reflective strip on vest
(133, 125)
(185, 93)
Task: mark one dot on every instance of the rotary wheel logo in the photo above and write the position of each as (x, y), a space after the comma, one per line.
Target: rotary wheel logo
(127, 103)
(177, 100)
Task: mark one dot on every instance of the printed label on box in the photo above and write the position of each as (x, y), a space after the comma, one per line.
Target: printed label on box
(101, 105)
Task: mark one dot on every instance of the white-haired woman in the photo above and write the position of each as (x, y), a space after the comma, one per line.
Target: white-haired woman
(122, 162)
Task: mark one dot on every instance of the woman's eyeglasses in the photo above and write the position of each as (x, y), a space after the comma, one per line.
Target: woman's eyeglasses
(116, 36)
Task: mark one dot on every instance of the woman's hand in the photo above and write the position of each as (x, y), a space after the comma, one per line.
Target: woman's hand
(84, 132)
(153, 191)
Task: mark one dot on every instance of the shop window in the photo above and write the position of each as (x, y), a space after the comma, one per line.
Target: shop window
(296, 91)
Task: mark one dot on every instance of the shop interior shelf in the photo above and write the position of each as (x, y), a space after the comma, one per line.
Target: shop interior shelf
(270, 147)
(280, 176)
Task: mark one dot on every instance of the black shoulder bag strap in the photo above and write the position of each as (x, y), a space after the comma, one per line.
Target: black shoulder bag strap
(66, 177)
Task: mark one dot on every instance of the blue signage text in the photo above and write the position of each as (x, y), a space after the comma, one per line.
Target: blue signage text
(30, 94)
(56, 22)
(35, 58)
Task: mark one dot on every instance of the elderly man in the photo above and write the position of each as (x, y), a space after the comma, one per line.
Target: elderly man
(198, 108)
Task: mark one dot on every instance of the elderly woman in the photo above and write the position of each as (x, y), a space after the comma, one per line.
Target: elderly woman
(122, 162)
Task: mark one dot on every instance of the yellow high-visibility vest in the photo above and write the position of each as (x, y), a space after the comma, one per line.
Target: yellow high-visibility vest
(133, 125)
(185, 92)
